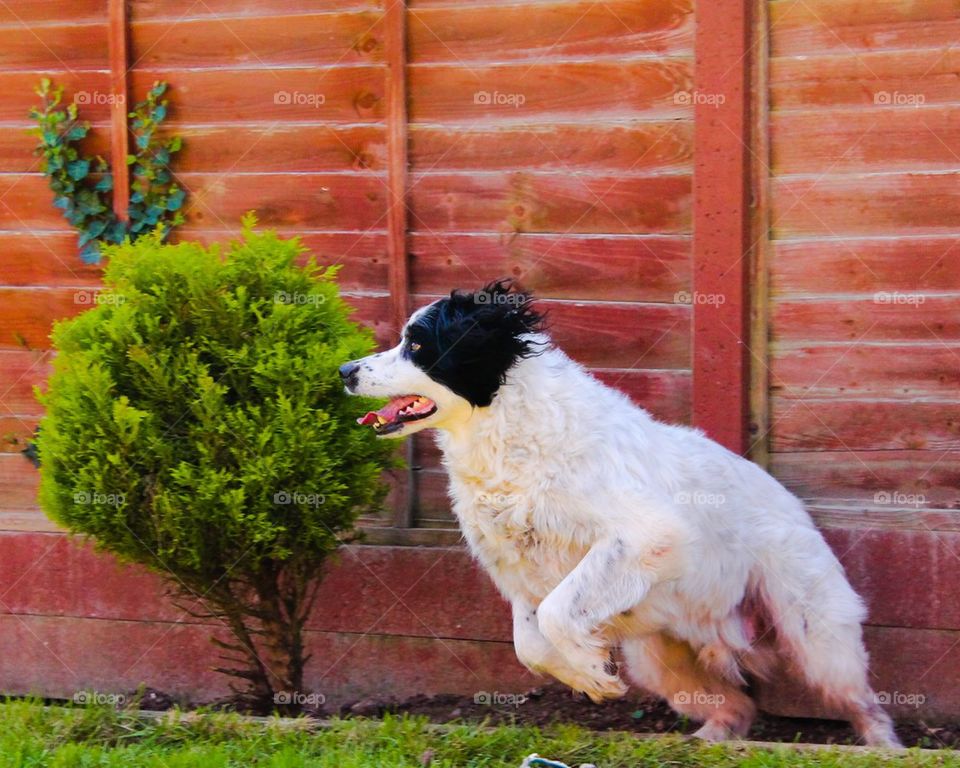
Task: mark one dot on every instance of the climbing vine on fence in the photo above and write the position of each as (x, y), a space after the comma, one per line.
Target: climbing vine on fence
(83, 186)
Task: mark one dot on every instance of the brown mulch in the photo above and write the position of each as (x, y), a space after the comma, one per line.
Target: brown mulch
(553, 704)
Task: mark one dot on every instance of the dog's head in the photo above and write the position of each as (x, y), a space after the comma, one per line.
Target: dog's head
(453, 356)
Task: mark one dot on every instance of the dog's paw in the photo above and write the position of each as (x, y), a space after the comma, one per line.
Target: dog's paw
(602, 687)
(714, 731)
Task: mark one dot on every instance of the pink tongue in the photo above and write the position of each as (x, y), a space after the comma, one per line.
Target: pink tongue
(388, 412)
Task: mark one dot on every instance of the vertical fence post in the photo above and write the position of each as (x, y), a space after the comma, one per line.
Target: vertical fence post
(119, 91)
(395, 47)
(721, 213)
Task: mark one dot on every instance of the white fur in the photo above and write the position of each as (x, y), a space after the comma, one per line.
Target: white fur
(605, 528)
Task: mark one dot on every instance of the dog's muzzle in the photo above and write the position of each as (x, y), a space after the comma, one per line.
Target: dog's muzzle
(348, 374)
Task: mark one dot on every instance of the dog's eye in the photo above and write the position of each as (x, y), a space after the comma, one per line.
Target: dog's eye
(414, 347)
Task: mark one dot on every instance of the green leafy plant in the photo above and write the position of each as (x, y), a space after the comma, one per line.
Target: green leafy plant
(196, 423)
(83, 186)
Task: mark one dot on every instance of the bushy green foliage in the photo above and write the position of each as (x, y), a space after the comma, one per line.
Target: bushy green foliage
(196, 423)
(83, 186)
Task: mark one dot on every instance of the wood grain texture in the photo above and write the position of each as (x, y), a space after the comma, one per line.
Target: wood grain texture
(74, 46)
(17, 145)
(638, 147)
(626, 268)
(44, 258)
(923, 264)
(259, 41)
(18, 96)
(29, 11)
(854, 319)
(883, 480)
(613, 90)
(485, 32)
(19, 482)
(533, 202)
(869, 78)
(851, 26)
(855, 204)
(179, 10)
(859, 139)
(20, 371)
(867, 370)
(860, 424)
(351, 94)
(118, 46)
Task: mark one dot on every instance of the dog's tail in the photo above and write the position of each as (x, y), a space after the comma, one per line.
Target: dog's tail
(816, 617)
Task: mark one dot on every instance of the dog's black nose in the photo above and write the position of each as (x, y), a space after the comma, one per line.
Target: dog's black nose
(348, 372)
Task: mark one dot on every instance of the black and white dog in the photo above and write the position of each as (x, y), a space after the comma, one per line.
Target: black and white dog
(606, 528)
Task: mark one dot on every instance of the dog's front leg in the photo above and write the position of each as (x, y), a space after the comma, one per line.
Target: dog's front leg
(612, 578)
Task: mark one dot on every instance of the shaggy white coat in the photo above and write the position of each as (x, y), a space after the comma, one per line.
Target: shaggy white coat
(605, 528)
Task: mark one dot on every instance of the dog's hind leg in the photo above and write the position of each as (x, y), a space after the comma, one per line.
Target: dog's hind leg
(669, 668)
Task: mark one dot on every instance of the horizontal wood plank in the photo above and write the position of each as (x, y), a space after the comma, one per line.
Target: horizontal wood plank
(865, 265)
(883, 480)
(20, 371)
(555, 266)
(19, 483)
(44, 258)
(631, 148)
(485, 32)
(264, 40)
(852, 26)
(830, 424)
(521, 92)
(885, 316)
(532, 202)
(177, 10)
(72, 46)
(31, 11)
(90, 87)
(868, 204)
(865, 140)
(905, 78)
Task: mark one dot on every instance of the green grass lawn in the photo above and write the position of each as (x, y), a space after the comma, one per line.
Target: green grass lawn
(35, 735)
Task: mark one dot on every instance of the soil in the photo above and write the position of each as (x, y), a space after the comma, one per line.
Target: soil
(552, 704)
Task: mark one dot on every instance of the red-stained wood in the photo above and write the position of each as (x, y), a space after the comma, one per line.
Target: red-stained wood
(20, 371)
(858, 424)
(628, 268)
(868, 140)
(568, 90)
(17, 145)
(895, 203)
(485, 32)
(871, 318)
(301, 201)
(75, 46)
(351, 94)
(18, 87)
(119, 91)
(635, 148)
(19, 482)
(865, 265)
(874, 79)
(16, 432)
(851, 26)
(279, 147)
(31, 11)
(179, 10)
(395, 23)
(721, 213)
(867, 370)
(908, 479)
(44, 258)
(559, 203)
(259, 41)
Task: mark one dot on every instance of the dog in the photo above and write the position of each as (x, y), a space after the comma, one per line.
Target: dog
(605, 528)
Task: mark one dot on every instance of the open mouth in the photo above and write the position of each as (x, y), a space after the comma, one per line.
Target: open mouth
(398, 412)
